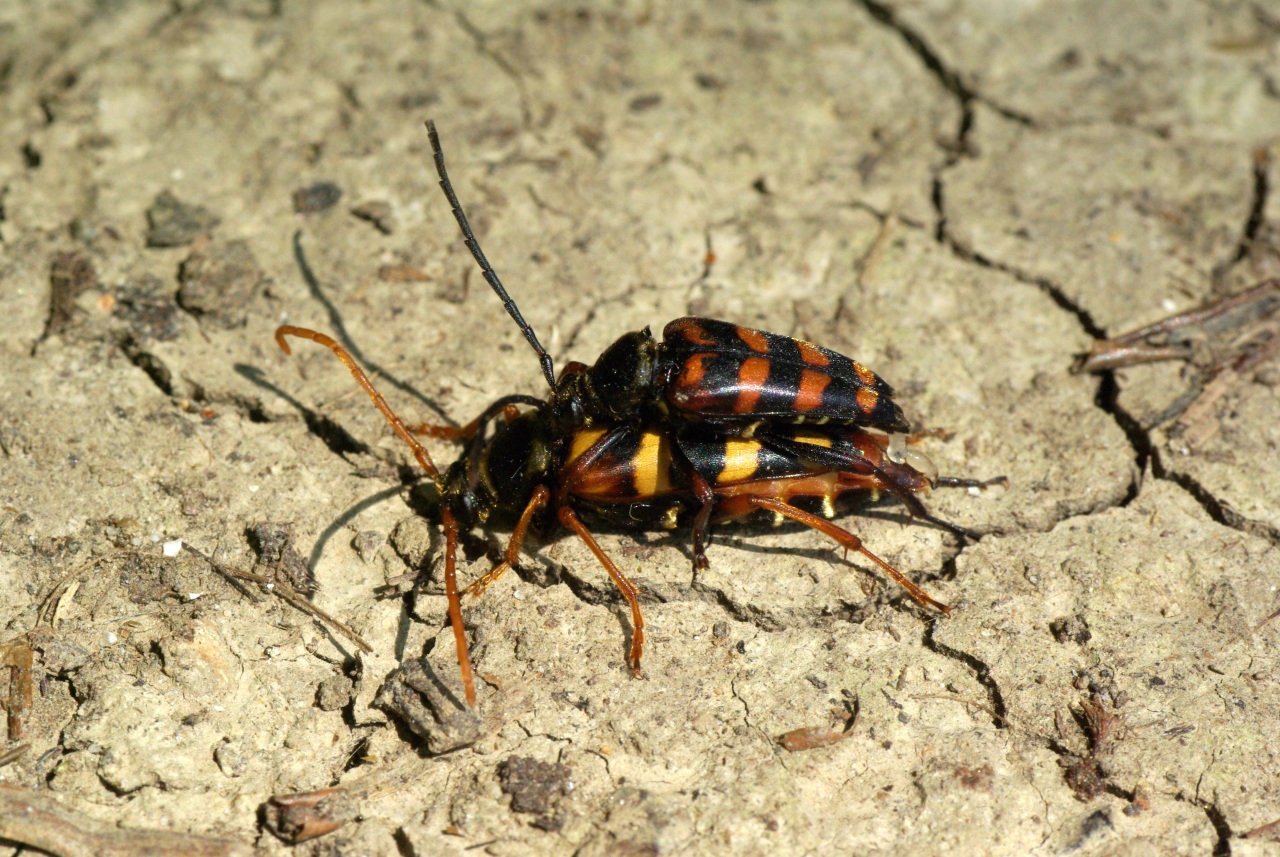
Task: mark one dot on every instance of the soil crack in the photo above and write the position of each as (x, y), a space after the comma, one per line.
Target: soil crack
(1256, 218)
(981, 672)
(481, 41)
(950, 79)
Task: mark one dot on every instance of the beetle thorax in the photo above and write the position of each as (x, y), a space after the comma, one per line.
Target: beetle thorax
(616, 389)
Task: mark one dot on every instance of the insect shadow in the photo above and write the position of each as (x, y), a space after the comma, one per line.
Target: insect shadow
(343, 336)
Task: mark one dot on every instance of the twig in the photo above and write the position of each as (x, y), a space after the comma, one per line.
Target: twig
(38, 821)
(285, 592)
(17, 657)
(13, 754)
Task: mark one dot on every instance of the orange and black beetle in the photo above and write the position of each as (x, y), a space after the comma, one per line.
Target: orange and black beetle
(713, 423)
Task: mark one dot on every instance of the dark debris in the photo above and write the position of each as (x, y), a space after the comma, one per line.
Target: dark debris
(173, 223)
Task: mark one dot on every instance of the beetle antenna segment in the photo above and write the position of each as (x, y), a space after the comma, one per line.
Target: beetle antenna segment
(491, 276)
(917, 510)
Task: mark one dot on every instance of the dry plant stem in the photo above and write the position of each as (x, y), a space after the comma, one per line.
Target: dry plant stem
(999, 718)
(38, 821)
(812, 737)
(13, 754)
(1131, 349)
(17, 658)
(1263, 830)
(288, 594)
(298, 817)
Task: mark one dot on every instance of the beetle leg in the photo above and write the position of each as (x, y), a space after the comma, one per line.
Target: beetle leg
(455, 604)
(707, 497)
(961, 482)
(848, 541)
(505, 406)
(629, 592)
(707, 500)
(537, 502)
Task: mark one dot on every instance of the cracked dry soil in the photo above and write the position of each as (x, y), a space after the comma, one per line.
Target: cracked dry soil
(961, 195)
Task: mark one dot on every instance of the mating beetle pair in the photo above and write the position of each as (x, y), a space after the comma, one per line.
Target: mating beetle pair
(712, 423)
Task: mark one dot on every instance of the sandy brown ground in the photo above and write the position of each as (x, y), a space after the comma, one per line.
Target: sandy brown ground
(960, 194)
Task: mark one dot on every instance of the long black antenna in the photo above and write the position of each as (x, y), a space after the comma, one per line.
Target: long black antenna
(490, 275)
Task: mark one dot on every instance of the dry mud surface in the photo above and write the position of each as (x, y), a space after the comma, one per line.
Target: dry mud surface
(963, 195)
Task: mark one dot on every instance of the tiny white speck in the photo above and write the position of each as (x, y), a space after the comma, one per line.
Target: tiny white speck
(697, 637)
(272, 651)
(178, 174)
(111, 637)
(253, 487)
(192, 596)
(173, 548)
(1168, 305)
(271, 586)
(218, 708)
(975, 491)
(155, 538)
(517, 595)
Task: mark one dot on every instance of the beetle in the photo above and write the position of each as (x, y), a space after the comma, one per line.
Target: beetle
(714, 423)
(703, 370)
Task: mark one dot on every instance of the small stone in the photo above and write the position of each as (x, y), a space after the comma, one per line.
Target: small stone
(230, 758)
(147, 305)
(274, 544)
(320, 196)
(534, 786)
(70, 274)
(412, 540)
(334, 693)
(173, 223)
(217, 284)
(367, 542)
(430, 705)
